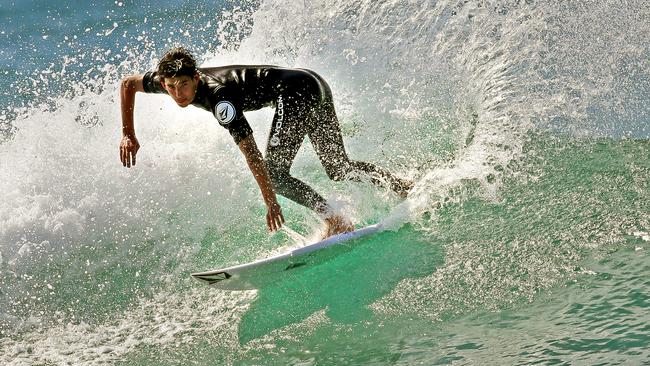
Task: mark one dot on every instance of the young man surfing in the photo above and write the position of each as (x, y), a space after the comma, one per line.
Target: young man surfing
(303, 106)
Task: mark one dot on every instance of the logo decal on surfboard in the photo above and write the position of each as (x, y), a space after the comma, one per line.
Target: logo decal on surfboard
(215, 277)
(224, 112)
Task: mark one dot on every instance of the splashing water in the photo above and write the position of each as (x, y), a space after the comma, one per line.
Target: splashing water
(525, 131)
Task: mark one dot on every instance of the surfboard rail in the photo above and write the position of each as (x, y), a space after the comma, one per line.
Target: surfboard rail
(252, 275)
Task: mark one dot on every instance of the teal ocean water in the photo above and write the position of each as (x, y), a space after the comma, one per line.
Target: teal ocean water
(525, 125)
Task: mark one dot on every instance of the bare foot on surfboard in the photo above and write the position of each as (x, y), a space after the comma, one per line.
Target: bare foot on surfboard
(337, 225)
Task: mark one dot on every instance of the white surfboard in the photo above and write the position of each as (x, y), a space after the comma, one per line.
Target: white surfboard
(253, 275)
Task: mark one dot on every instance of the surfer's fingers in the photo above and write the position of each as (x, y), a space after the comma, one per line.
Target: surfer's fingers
(269, 222)
(122, 155)
(277, 222)
(133, 157)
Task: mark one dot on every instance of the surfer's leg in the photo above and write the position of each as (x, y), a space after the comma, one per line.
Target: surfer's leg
(325, 136)
(286, 136)
(285, 139)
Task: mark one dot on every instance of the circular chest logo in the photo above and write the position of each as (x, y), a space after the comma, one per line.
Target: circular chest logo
(274, 141)
(224, 112)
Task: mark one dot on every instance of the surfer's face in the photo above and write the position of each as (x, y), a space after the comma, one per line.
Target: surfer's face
(181, 88)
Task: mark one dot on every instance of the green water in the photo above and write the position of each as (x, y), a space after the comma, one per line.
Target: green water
(552, 272)
(525, 242)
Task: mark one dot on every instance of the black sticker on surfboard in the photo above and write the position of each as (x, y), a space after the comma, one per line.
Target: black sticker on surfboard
(214, 278)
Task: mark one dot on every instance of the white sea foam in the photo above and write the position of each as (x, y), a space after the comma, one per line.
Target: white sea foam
(444, 92)
(157, 322)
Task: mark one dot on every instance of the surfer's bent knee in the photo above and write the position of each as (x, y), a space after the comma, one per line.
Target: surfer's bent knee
(338, 172)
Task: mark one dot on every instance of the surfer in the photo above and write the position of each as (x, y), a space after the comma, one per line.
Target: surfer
(303, 106)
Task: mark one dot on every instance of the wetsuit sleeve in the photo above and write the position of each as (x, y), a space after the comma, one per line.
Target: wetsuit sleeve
(231, 116)
(151, 83)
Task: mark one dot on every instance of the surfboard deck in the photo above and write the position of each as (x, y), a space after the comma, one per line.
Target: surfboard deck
(253, 275)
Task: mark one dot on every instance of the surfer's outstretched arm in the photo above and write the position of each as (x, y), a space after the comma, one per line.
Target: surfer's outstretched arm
(129, 145)
(248, 147)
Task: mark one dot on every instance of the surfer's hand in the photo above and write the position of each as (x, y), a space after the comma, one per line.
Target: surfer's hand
(129, 146)
(274, 218)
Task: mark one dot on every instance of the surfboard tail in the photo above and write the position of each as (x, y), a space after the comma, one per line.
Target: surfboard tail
(211, 278)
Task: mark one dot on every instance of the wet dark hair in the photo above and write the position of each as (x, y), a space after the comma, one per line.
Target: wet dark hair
(177, 62)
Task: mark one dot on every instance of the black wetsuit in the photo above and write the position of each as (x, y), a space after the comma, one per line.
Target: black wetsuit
(303, 106)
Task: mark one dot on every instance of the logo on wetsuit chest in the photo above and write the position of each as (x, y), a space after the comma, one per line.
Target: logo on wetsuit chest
(224, 112)
(275, 138)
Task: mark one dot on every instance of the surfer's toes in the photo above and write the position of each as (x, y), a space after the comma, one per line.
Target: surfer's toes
(337, 225)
